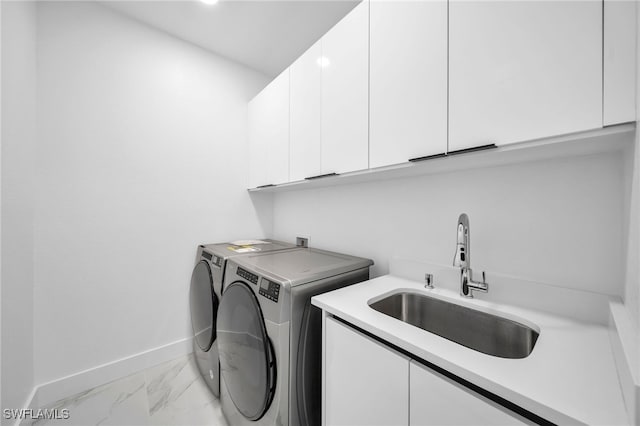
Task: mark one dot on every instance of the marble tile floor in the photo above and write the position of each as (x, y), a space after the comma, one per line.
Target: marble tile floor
(172, 393)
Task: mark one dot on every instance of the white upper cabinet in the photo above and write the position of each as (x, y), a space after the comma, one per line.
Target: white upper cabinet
(437, 400)
(396, 80)
(619, 61)
(408, 80)
(257, 145)
(306, 80)
(269, 134)
(345, 87)
(523, 70)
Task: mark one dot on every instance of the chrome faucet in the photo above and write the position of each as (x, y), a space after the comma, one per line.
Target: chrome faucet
(462, 258)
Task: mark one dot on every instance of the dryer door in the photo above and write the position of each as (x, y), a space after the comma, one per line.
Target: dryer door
(247, 363)
(204, 305)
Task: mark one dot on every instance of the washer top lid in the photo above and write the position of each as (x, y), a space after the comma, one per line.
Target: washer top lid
(230, 249)
(303, 265)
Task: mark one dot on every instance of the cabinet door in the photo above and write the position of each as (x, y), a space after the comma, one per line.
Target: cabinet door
(257, 146)
(619, 61)
(269, 133)
(523, 70)
(306, 81)
(437, 400)
(345, 98)
(408, 80)
(366, 383)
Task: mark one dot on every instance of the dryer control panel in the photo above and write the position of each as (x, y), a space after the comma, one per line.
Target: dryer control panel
(269, 289)
(216, 260)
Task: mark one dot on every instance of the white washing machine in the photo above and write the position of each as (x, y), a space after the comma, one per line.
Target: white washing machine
(205, 294)
(269, 334)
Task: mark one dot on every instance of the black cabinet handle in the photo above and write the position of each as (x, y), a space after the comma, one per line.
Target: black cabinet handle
(473, 149)
(459, 151)
(427, 157)
(265, 186)
(321, 176)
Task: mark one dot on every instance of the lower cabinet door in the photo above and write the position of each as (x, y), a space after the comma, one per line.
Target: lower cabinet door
(366, 383)
(438, 400)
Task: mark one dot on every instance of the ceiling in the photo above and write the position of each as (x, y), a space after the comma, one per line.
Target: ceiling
(267, 35)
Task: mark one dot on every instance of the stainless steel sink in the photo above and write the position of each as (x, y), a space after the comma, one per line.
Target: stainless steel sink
(480, 331)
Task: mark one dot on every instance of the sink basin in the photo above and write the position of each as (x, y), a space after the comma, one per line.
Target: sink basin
(480, 331)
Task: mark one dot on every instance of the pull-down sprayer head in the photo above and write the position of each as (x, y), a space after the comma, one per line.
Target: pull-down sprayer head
(462, 257)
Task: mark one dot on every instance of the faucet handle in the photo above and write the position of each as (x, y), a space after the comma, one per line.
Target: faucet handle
(483, 286)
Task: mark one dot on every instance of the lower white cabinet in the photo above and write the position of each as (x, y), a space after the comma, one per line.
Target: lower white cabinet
(366, 383)
(438, 400)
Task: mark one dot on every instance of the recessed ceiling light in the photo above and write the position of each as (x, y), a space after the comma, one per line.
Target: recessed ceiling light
(209, 1)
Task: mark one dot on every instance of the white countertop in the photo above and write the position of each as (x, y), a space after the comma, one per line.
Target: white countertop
(569, 378)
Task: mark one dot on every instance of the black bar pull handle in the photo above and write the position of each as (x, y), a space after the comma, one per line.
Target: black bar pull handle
(472, 149)
(321, 176)
(427, 157)
(265, 186)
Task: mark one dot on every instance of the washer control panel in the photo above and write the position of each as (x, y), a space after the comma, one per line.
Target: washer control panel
(269, 289)
(252, 278)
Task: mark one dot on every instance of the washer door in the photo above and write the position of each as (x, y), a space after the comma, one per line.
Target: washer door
(247, 361)
(204, 306)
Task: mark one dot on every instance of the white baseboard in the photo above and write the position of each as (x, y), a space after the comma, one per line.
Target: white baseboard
(624, 343)
(63, 387)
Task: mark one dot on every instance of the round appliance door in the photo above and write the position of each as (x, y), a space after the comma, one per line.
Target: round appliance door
(204, 306)
(247, 361)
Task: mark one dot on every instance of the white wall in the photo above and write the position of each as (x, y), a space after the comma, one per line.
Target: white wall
(632, 179)
(141, 156)
(557, 221)
(18, 141)
(632, 237)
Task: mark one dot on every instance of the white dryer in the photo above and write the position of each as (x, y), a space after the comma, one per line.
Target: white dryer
(269, 334)
(205, 294)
